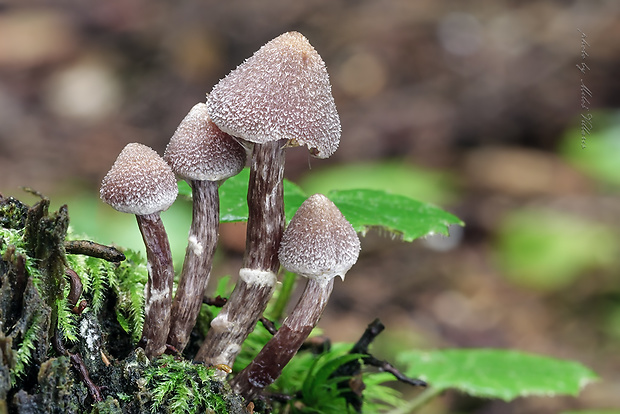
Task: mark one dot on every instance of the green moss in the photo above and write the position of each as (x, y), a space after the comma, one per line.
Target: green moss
(178, 386)
(34, 308)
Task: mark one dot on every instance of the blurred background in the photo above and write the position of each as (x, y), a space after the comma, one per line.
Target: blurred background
(474, 106)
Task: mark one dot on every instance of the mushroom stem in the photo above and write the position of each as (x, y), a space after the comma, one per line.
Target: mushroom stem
(268, 364)
(197, 264)
(260, 264)
(159, 285)
(265, 207)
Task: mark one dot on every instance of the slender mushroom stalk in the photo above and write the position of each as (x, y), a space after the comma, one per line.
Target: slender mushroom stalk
(281, 96)
(318, 244)
(141, 183)
(204, 156)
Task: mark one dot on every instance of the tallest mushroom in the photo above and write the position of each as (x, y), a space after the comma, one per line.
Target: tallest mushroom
(279, 97)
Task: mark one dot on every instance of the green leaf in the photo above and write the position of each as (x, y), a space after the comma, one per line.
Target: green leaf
(394, 176)
(233, 198)
(493, 373)
(396, 214)
(393, 213)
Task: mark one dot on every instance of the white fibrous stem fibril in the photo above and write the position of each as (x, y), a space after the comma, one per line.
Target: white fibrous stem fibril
(280, 96)
(204, 156)
(319, 244)
(141, 183)
(195, 245)
(257, 277)
(221, 322)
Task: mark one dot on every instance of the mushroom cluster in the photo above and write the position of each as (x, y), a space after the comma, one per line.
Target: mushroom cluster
(278, 98)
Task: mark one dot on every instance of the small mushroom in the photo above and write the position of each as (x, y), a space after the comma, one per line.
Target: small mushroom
(279, 97)
(318, 244)
(204, 156)
(141, 183)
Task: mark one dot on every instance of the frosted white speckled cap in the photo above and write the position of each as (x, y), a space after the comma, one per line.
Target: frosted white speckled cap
(199, 150)
(319, 242)
(140, 182)
(281, 92)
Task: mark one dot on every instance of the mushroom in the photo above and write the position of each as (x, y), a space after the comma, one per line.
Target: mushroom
(204, 156)
(141, 183)
(318, 244)
(279, 97)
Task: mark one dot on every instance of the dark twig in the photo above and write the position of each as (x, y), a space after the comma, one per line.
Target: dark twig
(387, 367)
(217, 301)
(75, 286)
(269, 325)
(78, 365)
(58, 345)
(171, 350)
(317, 345)
(283, 398)
(92, 249)
(372, 331)
(354, 368)
(33, 192)
(79, 308)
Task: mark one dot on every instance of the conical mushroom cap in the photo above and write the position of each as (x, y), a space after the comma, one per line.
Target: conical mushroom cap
(319, 242)
(140, 182)
(281, 92)
(199, 150)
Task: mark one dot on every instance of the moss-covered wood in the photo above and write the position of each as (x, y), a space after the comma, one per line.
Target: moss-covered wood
(72, 349)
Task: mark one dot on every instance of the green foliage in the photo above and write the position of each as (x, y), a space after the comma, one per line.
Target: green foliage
(22, 351)
(251, 346)
(599, 159)
(234, 192)
(396, 214)
(23, 354)
(12, 237)
(282, 296)
(546, 249)
(394, 177)
(309, 378)
(379, 397)
(95, 276)
(178, 386)
(128, 284)
(492, 373)
(127, 281)
(67, 321)
(320, 389)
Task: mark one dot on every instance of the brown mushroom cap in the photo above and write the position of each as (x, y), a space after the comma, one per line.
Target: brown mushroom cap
(319, 242)
(281, 92)
(140, 182)
(199, 150)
